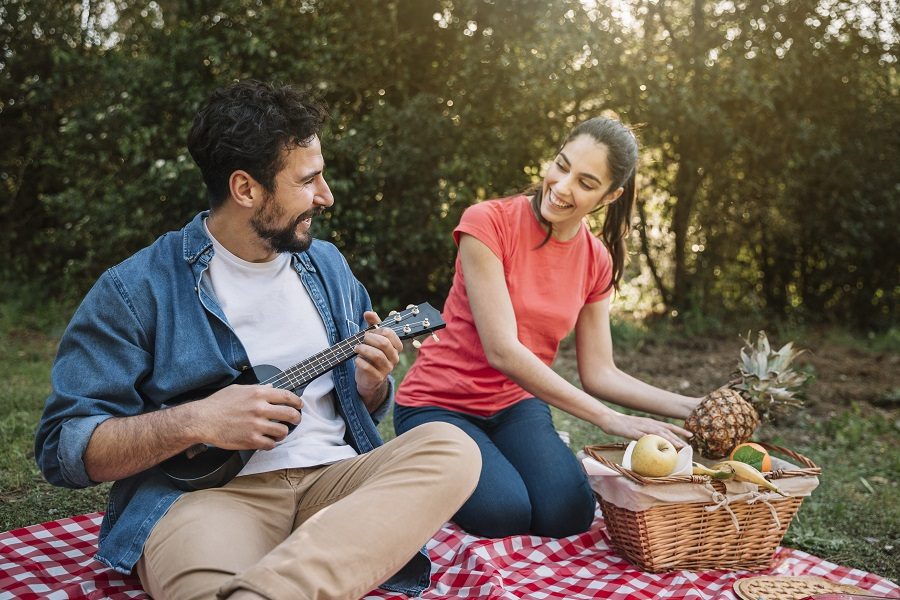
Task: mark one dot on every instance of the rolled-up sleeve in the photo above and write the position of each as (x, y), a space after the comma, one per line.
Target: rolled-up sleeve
(74, 435)
(101, 358)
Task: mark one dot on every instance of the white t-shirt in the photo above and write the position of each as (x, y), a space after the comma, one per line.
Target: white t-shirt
(272, 314)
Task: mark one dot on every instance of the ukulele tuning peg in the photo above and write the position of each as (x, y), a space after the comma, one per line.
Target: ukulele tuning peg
(392, 313)
(436, 338)
(408, 306)
(417, 344)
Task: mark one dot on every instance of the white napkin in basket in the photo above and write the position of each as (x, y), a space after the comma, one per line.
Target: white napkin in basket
(592, 466)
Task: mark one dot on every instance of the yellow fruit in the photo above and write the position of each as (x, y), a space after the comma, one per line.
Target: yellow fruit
(744, 472)
(699, 469)
(653, 456)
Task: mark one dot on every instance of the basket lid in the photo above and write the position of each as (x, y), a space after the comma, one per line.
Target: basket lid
(788, 587)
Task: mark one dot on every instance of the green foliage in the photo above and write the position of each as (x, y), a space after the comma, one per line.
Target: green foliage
(777, 189)
(766, 191)
(627, 335)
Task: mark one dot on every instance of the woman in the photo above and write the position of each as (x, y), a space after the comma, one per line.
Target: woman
(528, 271)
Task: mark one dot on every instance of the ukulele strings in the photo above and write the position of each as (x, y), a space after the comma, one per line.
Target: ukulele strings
(330, 357)
(323, 358)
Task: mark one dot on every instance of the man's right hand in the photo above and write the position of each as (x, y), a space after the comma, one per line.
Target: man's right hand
(239, 417)
(245, 417)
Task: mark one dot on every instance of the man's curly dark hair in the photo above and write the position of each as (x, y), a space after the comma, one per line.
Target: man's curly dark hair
(248, 126)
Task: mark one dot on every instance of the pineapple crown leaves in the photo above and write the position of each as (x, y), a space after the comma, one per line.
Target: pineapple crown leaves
(766, 378)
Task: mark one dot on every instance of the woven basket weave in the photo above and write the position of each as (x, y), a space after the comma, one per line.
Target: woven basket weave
(686, 536)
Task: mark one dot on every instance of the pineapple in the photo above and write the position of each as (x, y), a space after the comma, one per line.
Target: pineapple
(729, 415)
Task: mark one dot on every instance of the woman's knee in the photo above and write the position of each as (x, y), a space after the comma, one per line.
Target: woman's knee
(561, 515)
(495, 516)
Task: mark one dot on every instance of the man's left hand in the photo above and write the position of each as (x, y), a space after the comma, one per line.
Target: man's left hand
(377, 356)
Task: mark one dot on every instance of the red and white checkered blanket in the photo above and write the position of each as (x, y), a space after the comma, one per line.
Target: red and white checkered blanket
(54, 561)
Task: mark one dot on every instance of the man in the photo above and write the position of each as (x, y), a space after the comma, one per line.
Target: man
(323, 511)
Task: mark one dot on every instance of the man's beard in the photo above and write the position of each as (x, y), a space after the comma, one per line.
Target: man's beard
(284, 239)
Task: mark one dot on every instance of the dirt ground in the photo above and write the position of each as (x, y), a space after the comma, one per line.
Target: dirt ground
(842, 375)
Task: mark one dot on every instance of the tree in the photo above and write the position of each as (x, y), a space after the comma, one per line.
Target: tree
(765, 189)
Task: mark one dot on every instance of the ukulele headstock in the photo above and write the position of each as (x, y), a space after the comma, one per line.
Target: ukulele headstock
(414, 321)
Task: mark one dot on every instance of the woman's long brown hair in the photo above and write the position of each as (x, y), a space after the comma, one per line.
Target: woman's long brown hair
(622, 155)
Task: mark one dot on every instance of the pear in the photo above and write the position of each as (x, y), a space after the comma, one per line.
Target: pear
(653, 456)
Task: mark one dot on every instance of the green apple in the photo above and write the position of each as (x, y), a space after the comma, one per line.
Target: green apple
(653, 456)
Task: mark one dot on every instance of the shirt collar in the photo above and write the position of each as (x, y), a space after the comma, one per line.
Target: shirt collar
(196, 243)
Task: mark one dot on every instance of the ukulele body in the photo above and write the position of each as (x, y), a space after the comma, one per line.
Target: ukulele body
(204, 466)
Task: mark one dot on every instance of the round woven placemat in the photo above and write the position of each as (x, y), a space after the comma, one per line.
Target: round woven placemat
(787, 587)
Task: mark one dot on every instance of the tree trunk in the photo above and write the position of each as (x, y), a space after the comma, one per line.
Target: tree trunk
(686, 184)
(651, 264)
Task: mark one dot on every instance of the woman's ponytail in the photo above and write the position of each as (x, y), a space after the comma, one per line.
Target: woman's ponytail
(616, 227)
(622, 158)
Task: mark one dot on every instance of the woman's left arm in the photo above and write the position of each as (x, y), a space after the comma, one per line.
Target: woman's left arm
(602, 379)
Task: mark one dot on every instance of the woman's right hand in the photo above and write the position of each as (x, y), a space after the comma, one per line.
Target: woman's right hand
(633, 428)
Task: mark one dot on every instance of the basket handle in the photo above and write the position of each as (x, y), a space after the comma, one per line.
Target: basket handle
(592, 451)
(810, 470)
(810, 467)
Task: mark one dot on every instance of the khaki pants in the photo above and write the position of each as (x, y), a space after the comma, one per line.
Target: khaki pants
(335, 531)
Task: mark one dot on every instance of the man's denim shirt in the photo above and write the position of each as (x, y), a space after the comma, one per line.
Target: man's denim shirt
(150, 330)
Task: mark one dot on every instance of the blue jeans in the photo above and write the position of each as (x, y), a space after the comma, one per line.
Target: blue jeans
(531, 482)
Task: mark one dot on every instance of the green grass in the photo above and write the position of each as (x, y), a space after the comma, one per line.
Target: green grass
(27, 346)
(886, 341)
(853, 518)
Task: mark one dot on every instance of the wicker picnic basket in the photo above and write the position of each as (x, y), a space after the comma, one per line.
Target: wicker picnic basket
(694, 535)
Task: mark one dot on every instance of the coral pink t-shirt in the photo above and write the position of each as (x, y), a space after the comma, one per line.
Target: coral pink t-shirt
(548, 286)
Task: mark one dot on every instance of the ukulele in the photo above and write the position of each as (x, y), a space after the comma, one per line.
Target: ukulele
(204, 466)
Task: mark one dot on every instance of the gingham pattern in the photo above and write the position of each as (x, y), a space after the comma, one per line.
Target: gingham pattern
(54, 561)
